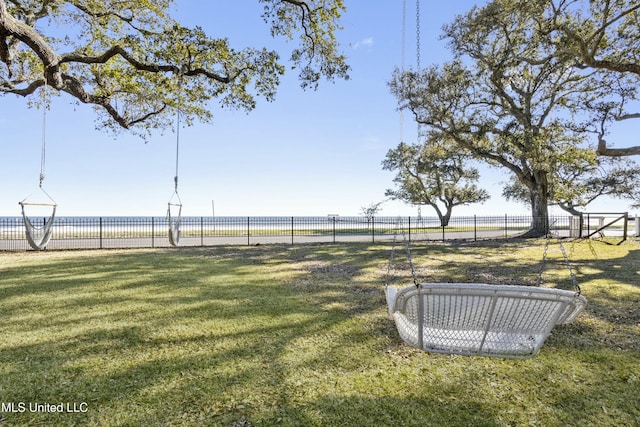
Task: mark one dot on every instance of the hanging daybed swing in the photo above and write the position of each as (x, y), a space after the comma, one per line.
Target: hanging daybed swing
(477, 318)
(480, 319)
(38, 237)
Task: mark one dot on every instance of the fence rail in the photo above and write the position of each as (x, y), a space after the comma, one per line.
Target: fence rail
(152, 232)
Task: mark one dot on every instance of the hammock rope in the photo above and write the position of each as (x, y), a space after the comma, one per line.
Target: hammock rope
(176, 220)
(39, 237)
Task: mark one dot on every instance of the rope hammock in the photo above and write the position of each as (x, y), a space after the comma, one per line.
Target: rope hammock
(477, 318)
(175, 203)
(38, 237)
(175, 219)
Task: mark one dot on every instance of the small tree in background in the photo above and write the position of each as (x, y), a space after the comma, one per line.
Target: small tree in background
(370, 211)
(435, 175)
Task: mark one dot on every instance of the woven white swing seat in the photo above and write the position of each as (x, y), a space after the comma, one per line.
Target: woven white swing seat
(480, 319)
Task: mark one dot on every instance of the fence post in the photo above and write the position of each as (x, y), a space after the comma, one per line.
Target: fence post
(373, 229)
(292, 230)
(475, 228)
(100, 232)
(248, 230)
(201, 231)
(409, 228)
(334, 229)
(153, 232)
(505, 226)
(588, 224)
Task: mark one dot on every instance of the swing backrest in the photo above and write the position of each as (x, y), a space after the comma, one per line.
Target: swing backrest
(480, 319)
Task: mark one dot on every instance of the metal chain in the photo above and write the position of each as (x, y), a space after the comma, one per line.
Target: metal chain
(404, 32)
(418, 127)
(408, 250)
(393, 252)
(574, 280)
(418, 34)
(544, 259)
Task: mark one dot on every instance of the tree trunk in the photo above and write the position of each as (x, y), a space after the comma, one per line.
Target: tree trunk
(539, 211)
(444, 220)
(440, 215)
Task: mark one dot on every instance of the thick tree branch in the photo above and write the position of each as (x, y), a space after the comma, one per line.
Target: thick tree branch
(620, 67)
(75, 89)
(127, 55)
(627, 116)
(306, 11)
(603, 150)
(5, 54)
(26, 34)
(588, 48)
(140, 66)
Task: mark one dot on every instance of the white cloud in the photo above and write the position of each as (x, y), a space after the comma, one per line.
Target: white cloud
(366, 42)
(372, 143)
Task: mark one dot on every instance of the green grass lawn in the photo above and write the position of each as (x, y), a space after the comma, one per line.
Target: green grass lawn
(300, 336)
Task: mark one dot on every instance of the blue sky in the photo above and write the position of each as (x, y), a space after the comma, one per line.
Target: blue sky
(307, 153)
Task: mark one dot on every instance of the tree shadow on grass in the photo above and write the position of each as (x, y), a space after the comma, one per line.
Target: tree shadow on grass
(225, 316)
(611, 285)
(490, 261)
(270, 335)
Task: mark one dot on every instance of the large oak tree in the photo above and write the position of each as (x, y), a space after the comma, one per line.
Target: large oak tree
(504, 99)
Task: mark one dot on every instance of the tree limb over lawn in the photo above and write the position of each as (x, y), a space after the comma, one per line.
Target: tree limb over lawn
(135, 64)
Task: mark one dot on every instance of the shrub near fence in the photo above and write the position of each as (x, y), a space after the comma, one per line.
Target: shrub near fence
(151, 232)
